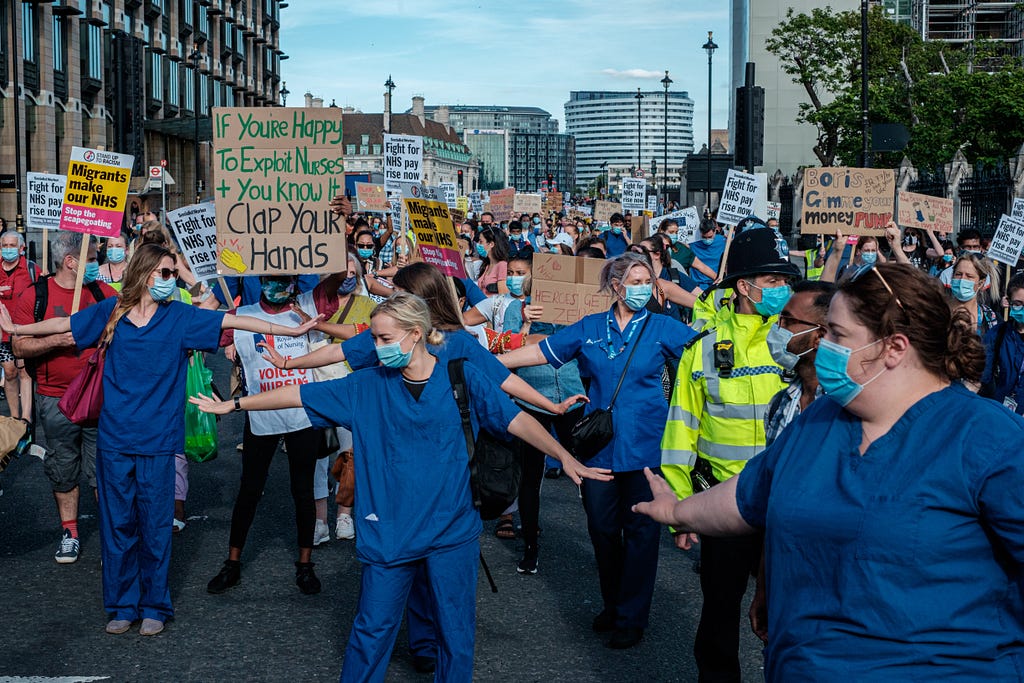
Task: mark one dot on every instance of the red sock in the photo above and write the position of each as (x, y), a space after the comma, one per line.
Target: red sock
(71, 526)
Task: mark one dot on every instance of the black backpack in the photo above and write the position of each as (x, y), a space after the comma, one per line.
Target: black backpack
(495, 465)
(42, 287)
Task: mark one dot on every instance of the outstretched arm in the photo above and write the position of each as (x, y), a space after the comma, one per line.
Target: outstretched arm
(523, 357)
(48, 326)
(276, 399)
(332, 353)
(251, 324)
(713, 512)
(532, 432)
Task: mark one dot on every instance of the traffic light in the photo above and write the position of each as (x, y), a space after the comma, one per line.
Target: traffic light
(551, 182)
(460, 181)
(756, 144)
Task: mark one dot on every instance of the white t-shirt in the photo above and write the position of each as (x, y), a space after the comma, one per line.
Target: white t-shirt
(493, 309)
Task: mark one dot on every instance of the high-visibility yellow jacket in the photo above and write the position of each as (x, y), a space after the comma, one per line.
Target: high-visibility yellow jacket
(707, 306)
(810, 257)
(717, 416)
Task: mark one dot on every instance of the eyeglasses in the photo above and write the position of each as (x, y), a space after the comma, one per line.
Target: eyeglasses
(865, 267)
(167, 273)
(789, 320)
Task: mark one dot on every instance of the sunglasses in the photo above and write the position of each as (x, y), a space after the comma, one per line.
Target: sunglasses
(865, 267)
(167, 273)
(789, 320)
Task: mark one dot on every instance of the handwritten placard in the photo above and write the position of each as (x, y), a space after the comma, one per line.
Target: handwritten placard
(371, 198)
(274, 171)
(403, 161)
(44, 199)
(924, 211)
(567, 287)
(738, 197)
(96, 192)
(858, 201)
(502, 202)
(1008, 241)
(603, 210)
(525, 203)
(195, 229)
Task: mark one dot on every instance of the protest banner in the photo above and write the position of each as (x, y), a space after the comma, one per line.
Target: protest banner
(858, 201)
(525, 203)
(44, 199)
(458, 217)
(195, 229)
(687, 219)
(432, 225)
(652, 203)
(566, 287)
(639, 228)
(760, 207)
(371, 198)
(1018, 209)
(924, 211)
(774, 211)
(403, 161)
(634, 194)
(448, 193)
(551, 202)
(462, 204)
(476, 203)
(502, 203)
(603, 210)
(274, 171)
(1007, 241)
(738, 197)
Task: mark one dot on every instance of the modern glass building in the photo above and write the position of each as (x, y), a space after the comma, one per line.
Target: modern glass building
(491, 148)
(538, 155)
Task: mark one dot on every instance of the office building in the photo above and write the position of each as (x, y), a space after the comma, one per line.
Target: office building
(605, 126)
(129, 76)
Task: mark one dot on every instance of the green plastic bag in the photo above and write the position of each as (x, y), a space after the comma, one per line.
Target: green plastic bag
(200, 427)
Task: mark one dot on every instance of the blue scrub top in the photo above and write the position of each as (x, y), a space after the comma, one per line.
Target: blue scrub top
(474, 294)
(1010, 360)
(640, 410)
(361, 352)
(615, 244)
(412, 472)
(144, 373)
(710, 255)
(901, 564)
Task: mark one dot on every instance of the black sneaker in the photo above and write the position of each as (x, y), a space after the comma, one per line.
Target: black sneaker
(306, 579)
(528, 565)
(625, 638)
(604, 622)
(230, 575)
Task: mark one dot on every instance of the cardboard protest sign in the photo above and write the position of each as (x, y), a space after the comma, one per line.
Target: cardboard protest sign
(1008, 241)
(403, 161)
(551, 202)
(432, 225)
(688, 220)
(448, 193)
(274, 172)
(634, 194)
(462, 204)
(603, 210)
(501, 204)
(858, 201)
(924, 211)
(96, 192)
(639, 228)
(44, 199)
(738, 197)
(566, 286)
(372, 198)
(195, 228)
(458, 216)
(525, 203)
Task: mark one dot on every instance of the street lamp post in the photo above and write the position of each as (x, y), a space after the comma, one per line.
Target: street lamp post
(639, 96)
(710, 48)
(19, 222)
(864, 83)
(390, 85)
(195, 58)
(284, 93)
(665, 82)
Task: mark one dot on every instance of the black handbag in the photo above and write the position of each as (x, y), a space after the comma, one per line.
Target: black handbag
(595, 430)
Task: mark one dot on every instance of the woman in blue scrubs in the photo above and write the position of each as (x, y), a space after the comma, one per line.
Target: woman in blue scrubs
(894, 546)
(402, 473)
(142, 423)
(625, 544)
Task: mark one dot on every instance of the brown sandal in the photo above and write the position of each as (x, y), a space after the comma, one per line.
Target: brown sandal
(505, 530)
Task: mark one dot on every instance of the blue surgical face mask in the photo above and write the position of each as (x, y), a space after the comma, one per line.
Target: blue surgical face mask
(947, 258)
(481, 252)
(365, 253)
(708, 240)
(348, 285)
(162, 289)
(637, 296)
(392, 356)
(515, 284)
(831, 364)
(10, 254)
(276, 292)
(773, 299)
(92, 271)
(963, 290)
(617, 229)
(115, 254)
(516, 236)
(869, 256)
(673, 237)
(1017, 313)
(536, 221)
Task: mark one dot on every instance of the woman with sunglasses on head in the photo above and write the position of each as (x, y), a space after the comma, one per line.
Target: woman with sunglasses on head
(900, 535)
(1003, 379)
(974, 277)
(142, 424)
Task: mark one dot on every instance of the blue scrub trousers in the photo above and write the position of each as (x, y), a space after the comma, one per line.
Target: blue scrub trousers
(625, 545)
(136, 508)
(420, 617)
(451, 575)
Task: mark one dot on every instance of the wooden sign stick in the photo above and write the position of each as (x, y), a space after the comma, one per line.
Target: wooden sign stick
(83, 254)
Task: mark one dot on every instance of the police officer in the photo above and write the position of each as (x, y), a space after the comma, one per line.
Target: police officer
(716, 424)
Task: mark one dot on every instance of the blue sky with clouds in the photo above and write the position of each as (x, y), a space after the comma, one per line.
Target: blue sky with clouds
(512, 52)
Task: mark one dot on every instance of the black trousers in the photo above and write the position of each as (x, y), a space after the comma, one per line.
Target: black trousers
(726, 565)
(533, 470)
(257, 451)
(625, 545)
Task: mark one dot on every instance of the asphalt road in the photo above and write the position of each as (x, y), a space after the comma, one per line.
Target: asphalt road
(536, 628)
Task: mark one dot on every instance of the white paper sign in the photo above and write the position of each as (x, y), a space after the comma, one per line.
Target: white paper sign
(476, 203)
(634, 194)
(688, 220)
(45, 195)
(1018, 209)
(195, 228)
(403, 160)
(1008, 241)
(761, 199)
(774, 211)
(652, 203)
(738, 197)
(448, 191)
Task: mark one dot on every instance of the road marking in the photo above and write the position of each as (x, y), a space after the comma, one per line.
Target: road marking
(52, 679)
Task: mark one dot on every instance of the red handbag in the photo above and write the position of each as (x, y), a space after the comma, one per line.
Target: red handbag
(82, 401)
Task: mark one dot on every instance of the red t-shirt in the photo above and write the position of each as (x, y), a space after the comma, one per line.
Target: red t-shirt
(12, 284)
(56, 369)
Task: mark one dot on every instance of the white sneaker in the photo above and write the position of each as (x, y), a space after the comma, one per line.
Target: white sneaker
(345, 528)
(321, 533)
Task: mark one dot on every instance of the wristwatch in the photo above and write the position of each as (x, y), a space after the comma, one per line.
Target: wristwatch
(238, 406)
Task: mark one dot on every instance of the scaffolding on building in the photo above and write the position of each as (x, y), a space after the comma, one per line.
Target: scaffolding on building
(964, 22)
